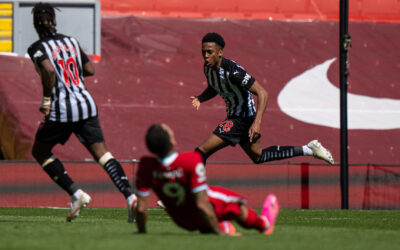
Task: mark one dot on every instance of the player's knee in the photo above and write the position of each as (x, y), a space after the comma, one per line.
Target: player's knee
(105, 158)
(48, 161)
(39, 155)
(256, 159)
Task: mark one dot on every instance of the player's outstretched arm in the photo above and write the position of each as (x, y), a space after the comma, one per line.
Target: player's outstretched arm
(207, 210)
(207, 94)
(141, 213)
(262, 99)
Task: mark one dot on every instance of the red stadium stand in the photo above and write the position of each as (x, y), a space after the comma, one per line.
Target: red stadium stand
(297, 9)
(327, 10)
(385, 10)
(150, 67)
(260, 9)
(126, 6)
(176, 6)
(359, 10)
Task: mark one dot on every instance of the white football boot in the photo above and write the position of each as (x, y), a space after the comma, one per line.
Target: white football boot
(79, 200)
(320, 152)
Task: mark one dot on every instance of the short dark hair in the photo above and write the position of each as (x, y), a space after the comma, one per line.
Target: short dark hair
(44, 18)
(214, 38)
(158, 140)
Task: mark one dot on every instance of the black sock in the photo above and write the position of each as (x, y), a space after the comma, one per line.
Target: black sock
(203, 155)
(58, 174)
(117, 175)
(278, 153)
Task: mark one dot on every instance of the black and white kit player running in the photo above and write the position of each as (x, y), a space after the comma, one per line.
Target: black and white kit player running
(229, 80)
(68, 108)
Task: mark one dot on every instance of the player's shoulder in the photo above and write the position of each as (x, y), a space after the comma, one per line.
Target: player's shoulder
(36, 51)
(35, 45)
(190, 155)
(230, 64)
(190, 159)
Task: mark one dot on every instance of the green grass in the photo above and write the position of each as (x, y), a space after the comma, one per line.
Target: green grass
(106, 228)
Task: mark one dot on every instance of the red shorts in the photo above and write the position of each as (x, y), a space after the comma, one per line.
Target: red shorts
(226, 202)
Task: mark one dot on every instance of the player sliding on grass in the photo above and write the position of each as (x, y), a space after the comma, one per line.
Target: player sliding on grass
(242, 125)
(68, 108)
(179, 180)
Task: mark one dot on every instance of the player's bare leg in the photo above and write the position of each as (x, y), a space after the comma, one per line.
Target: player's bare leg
(114, 169)
(253, 149)
(211, 145)
(97, 149)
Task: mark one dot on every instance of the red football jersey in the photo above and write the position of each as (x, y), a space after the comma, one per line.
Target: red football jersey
(175, 179)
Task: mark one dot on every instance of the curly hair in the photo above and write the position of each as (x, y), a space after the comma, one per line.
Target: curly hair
(44, 19)
(214, 38)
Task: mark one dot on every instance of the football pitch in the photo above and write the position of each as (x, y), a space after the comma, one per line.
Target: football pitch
(106, 228)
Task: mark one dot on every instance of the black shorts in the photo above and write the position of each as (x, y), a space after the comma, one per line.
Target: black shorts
(88, 131)
(234, 130)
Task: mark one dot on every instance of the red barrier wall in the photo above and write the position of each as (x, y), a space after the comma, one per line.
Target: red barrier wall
(360, 10)
(151, 66)
(297, 186)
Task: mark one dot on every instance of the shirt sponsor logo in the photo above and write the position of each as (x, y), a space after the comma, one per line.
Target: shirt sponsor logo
(38, 54)
(176, 173)
(246, 79)
(65, 48)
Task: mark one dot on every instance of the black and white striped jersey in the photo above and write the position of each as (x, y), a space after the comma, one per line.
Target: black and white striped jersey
(71, 101)
(232, 83)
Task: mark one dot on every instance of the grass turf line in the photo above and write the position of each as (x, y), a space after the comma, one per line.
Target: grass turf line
(106, 228)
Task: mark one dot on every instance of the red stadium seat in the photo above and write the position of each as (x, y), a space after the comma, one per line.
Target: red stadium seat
(381, 9)
(267, 6)
(293, 8)
(211, 6)
(176, 6)
(327, 10)
(124, 6)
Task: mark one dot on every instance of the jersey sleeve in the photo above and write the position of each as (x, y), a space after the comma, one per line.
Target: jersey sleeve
(37, 53)
(198, 179)
(143, 178)
(240, 77)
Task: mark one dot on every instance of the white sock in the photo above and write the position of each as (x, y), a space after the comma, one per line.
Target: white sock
(307, 151)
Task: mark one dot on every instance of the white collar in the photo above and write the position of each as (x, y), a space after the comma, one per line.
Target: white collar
(168, 160)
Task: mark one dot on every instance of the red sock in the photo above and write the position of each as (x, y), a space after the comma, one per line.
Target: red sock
(254, 221)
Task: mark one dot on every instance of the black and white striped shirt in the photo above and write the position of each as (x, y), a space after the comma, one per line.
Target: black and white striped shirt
(71, 102)
(232, 83)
